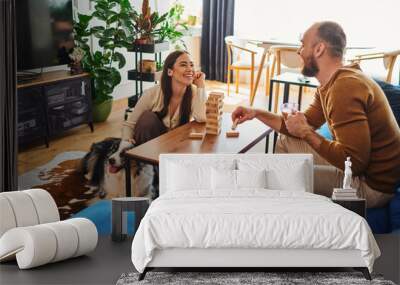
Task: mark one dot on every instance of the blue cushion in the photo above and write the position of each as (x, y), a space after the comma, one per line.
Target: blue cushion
(379, 220)
(100, 214)
(394, 208)
(392, 93)
(325, 132)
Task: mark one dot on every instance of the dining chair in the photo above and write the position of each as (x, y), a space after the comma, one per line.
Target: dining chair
(285, 59)
(241, 58)
(388, 60)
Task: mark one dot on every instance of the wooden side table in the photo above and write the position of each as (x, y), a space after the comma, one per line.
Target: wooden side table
(120, 207)
(356, 205)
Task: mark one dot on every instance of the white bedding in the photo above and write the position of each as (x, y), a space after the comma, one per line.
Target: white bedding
(252, 218)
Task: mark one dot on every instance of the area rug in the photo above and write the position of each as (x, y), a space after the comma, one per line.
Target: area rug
(62, 179)
(243, 278)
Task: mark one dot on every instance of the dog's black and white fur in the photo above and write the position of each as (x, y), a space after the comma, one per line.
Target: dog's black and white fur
(103, 165)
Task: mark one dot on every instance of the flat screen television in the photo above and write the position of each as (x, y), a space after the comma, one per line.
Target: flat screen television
(44, 33)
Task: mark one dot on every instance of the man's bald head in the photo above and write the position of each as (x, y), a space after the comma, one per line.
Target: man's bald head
(333, 35)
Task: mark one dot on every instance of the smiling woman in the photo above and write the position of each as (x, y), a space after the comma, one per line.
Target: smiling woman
(180, 96)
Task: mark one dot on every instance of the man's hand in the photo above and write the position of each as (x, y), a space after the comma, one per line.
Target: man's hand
(297, 125)
(199, 79)
(243, 114)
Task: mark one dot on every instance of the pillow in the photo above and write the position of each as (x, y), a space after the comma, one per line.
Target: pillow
(185, 175)
(292, 180)
(251, 179)
(223, 179)
(281, 174)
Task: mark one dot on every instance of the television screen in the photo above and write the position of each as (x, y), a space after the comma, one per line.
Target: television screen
(44, 33)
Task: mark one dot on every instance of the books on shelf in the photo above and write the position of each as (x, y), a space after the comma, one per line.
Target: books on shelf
(344, 194)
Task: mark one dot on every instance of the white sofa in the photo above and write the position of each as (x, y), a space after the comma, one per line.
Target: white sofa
(31, 230)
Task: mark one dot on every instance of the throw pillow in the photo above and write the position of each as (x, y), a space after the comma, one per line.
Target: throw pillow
(186, 175)
(251, 179)
(223, 179)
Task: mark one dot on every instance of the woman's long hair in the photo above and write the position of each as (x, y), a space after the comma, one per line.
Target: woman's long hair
(166, 87)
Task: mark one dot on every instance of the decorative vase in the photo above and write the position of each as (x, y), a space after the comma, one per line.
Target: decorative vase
(76, 68)
(101, 111)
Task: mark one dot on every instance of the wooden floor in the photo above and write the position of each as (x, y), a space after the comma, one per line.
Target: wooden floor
(81, 138)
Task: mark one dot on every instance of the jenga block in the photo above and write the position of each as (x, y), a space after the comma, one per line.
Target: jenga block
(232, 134)
(213, 122)
(213, 131)
(216, 115)
(215, 100)
(216, 94)
(214, 105)
(196, 136)
(234, 125)
(214, 111)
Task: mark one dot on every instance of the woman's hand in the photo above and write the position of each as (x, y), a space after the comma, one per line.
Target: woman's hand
(242, 114)
(132, 141)
(199, 79)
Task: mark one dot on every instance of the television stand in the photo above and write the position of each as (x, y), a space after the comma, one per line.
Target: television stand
(53, 103)
(27, 76)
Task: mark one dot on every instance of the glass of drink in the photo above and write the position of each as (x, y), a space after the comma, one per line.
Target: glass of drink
(289, 108)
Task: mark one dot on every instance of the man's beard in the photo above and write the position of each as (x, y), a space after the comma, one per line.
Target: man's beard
(310, 67)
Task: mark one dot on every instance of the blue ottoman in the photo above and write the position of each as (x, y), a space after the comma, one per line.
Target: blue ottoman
(100, 214)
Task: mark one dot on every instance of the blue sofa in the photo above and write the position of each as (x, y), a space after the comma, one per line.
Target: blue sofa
(387, 219)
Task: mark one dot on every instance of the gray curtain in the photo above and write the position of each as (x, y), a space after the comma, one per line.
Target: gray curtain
(217, 24)
(8, 98)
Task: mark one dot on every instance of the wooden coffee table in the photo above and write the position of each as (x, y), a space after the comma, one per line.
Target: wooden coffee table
(177, 141)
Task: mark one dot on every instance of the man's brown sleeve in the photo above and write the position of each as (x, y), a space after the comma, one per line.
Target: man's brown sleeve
(346, 109)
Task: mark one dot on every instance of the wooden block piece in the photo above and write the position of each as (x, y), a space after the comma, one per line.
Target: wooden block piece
(213, 131)
(196, 136)
(214, 115)
(213, 121)
(232, 134)
(234, 125)
(212, 105)
(216, 95)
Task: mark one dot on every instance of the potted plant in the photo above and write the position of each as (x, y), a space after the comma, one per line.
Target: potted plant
(76, 57)
(113, 29)
(173, 27)
(151, 27)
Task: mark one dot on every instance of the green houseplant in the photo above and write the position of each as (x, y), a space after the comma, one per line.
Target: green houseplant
(113, 30)
(152, 27)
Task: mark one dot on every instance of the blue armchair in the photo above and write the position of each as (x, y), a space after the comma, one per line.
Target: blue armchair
(387, 219)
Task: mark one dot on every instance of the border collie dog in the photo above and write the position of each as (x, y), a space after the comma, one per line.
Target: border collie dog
(104, 162)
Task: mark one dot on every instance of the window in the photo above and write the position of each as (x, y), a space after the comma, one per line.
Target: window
(366, 23)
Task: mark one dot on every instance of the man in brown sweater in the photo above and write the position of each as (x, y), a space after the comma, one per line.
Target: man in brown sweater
(358, 115)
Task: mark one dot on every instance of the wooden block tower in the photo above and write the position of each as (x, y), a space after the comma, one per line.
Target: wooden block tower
(214, 106)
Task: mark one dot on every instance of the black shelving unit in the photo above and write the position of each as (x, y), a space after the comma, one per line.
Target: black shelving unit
(52, 104)
(138, 76)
